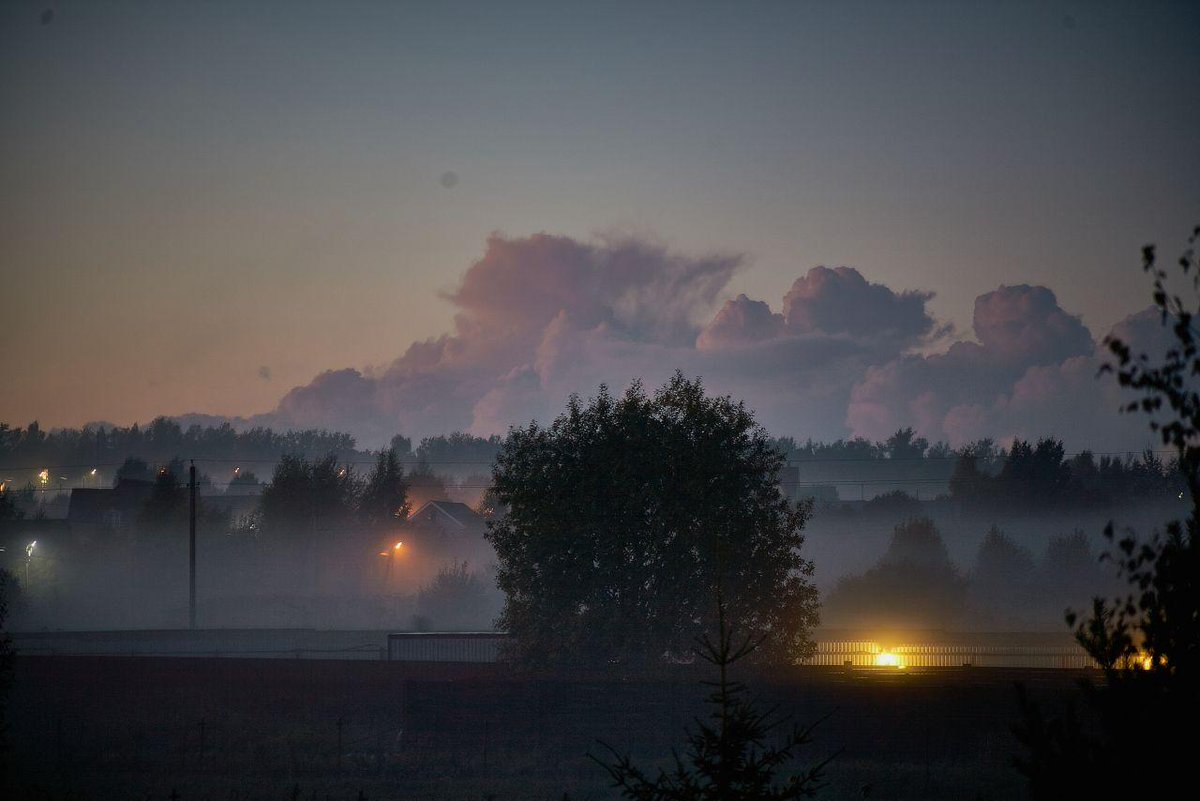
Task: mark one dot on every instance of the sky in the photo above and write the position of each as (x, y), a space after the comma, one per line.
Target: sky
(427, 216)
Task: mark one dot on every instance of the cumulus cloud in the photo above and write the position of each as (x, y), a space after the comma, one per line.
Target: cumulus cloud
(841, 301)
(741, 322)
(1034, 372)
(541, 317)
(1024, 325)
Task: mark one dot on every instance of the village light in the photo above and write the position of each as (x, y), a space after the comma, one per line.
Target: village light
(888, 659)
(29, 558)
(44, 477)
(396, 547)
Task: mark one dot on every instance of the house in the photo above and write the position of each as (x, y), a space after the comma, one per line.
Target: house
(114, 509)
(447, 519)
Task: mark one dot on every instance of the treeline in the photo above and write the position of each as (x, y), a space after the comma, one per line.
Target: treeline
(982, 475)
(1037, 476)
(915, 584)
(74, 452)
(160, 442)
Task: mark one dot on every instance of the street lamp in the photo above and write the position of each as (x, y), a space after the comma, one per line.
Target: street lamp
(29, 558)
(391, 557)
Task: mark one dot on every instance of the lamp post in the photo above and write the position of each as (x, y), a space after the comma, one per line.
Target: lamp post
(391, 557)
(29, 558)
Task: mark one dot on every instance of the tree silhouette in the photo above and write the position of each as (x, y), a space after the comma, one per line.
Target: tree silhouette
(913, 584)
(1132, 737)
(384, 499)
(621, 514)
(730, 756)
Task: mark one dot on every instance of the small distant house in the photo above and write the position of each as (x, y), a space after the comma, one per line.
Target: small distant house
(116, 508)
(448, 519)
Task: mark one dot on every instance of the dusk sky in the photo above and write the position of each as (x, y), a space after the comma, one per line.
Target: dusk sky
(206, 205)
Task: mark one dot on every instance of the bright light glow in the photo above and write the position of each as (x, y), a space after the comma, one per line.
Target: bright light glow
(44, 477)
(93, 471)
(396, 547)
(888, 659)
(29, 549)
(383, 553)
(237, 470)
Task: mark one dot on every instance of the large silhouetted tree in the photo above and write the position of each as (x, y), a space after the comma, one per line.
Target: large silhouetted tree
(622, 514)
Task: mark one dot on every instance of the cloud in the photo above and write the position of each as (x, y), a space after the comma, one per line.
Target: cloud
(741, 322)
(841, 301)
(541, 317)
(1034, 372)
(1024, 325)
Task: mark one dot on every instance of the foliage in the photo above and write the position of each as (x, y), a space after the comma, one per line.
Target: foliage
(622, 513)
(456, 598)
(242, 481)
(168, 501)
(1038, 477)
(730, 758)
(1001, 565)
(8, 586)
(914, 583)
(459, 454)
(384, 498)
(9, 510)
(1148, 641)
(133, 469)
(159, 442)
(306, 498)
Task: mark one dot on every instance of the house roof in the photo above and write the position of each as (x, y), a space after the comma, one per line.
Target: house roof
(458, 513)
(89, 505)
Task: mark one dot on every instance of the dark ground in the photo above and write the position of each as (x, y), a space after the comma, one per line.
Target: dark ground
(94, 727)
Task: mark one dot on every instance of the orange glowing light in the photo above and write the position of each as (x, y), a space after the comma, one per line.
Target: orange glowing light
(396, 547)
(888, 659)
(383, 553)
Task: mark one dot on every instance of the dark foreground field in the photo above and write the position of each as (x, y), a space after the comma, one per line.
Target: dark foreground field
(233, 729)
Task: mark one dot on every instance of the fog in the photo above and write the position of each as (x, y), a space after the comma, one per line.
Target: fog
(1007, 567)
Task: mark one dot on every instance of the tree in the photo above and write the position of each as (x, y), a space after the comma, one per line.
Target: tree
(731, 758)
(8, 588)
(8, 507)
(913, 584)
(622, 514)
(384, 499)
(133, 469)
(456, 598)
(168, 501)
(1148, 641)
(305, 497)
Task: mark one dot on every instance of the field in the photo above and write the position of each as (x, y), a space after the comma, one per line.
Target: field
(102, 727)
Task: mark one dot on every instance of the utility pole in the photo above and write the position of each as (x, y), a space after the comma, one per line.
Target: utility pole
(192, 545)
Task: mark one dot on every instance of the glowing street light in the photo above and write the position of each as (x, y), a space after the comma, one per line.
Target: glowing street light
(29, 558)
(44, 477)
(888, 659)
(391, 557)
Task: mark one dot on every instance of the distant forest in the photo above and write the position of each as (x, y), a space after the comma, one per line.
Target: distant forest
(981, 475)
